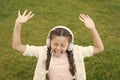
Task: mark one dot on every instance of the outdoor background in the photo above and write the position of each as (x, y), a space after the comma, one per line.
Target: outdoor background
(50, 13)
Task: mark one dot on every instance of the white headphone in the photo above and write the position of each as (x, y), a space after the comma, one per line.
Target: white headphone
(70, 47)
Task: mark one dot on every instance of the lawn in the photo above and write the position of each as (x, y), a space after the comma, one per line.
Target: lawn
(50, 13)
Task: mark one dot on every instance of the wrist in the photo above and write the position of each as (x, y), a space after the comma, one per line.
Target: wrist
(93, 28)
(17, 22)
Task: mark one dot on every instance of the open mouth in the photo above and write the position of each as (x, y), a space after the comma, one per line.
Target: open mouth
(57, 53)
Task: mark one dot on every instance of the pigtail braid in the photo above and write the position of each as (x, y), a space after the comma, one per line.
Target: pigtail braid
(48, 62)
(72, 67)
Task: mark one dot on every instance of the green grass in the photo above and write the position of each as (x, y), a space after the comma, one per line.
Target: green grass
(49, 13)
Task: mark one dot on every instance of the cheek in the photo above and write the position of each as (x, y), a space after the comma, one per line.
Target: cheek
(52, 47)
(65, 48)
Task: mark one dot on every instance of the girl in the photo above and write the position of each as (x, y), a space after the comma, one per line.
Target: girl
(60, 59)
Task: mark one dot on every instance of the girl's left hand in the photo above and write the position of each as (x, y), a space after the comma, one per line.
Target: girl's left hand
(89, 23)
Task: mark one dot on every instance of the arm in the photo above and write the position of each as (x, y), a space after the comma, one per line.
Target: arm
(98, 45)
(16, 43)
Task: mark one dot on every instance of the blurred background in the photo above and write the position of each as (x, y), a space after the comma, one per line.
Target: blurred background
(50, 13)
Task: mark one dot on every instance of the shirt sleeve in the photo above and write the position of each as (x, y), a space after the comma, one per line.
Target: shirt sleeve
(87, 51)
(81, 51)
(34, 50)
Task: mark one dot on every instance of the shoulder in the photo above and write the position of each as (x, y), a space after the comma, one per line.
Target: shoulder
(34, 50)
(77, 47)
(83, 51)
(82, 48)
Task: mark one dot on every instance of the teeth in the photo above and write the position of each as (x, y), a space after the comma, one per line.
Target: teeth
(57, 54)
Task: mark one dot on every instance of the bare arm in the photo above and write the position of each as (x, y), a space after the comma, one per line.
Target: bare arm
(16, 43)
(98, 45)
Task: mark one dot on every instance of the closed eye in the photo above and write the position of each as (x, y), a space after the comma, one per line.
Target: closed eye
(62, 45)
(55, 44)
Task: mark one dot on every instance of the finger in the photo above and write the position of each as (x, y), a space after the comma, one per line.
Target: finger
(81, 19)
(29, 13)
(89, 18)
(24, 12)
(83, 16)
(86, 18)
(19, 13)
(31, 16)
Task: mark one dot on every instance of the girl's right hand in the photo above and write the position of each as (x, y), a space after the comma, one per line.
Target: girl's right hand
(24, 17)
(89, 23)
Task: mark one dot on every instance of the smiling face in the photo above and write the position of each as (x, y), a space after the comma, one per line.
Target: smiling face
(59, 45)
(60, 39)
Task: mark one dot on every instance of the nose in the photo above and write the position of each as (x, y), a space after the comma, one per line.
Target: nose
(58, 47)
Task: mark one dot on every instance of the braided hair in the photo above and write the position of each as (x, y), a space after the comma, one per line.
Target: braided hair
(57, 32)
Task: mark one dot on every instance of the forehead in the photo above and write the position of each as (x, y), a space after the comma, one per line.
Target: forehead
(60, 39)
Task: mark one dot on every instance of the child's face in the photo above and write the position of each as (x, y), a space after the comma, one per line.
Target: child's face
(59, 45)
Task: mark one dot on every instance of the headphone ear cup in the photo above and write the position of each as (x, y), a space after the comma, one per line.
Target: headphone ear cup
(48, 42)
(70, 47)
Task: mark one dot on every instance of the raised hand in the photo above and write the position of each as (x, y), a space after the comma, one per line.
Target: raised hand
(98, 45)
(24, 17)
(87, 21)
